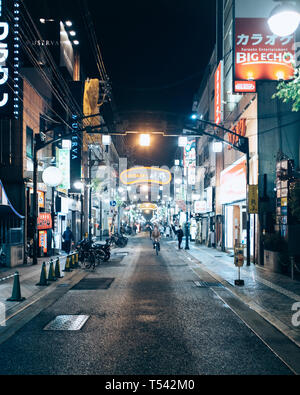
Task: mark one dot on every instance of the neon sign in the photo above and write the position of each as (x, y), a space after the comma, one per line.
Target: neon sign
(9, 59)
(138, 175)
(148, 206)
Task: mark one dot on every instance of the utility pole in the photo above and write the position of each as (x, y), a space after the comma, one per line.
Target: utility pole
(187, 233)
(90, 193)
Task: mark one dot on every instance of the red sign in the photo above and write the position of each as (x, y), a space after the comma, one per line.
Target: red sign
(261, 55)
(44, 221)
(244, 86)
(218, 93)
(240, 129)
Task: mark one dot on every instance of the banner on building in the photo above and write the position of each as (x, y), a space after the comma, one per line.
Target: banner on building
(261, 55)
(219, 94)
(189, 160)
(63, 160)
(9, 59)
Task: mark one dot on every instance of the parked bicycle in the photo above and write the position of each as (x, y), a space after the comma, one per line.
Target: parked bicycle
(92, 254)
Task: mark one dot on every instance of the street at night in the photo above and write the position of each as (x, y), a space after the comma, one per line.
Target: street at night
(149, 190)
(152, 320)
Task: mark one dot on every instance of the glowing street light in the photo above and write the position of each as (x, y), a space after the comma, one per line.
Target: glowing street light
(145, 140)
(182, 141)
(284, 19)
(217, 146)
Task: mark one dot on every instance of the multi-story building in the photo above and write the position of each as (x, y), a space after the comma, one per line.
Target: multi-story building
(237, 94)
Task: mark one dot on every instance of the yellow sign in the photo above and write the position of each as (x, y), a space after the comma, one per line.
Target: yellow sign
(253, 199)
(138, 175)
(148, 206)
(284, 201)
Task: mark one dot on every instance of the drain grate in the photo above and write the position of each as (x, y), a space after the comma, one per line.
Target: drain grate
(67, 323)
(93, 284)
(204, 284)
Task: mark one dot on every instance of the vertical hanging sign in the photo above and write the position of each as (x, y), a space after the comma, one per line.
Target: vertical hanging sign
(9, 58)
(219, 93)
(75, 155)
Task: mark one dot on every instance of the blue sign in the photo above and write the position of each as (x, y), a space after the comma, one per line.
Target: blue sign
(113, 203)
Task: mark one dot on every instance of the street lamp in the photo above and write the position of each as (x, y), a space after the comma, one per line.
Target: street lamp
(284, 19)
(145, 140)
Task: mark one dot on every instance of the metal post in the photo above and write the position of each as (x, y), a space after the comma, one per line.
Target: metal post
(100, 219)
(34, 203)
(90, 194)
(81, 215)
(247, 200)
(187, 234)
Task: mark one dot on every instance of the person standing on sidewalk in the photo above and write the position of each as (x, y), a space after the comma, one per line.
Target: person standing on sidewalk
(180, 237)
(68, 238)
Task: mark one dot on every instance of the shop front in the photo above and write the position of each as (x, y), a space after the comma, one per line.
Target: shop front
(11, 232)
(233, 199)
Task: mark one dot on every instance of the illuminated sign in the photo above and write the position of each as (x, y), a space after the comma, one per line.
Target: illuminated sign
(244, 86)
(218, 93)
(44, 221)
(43, 240)
(137, 175)
(75, 153)
(148, 206)
(200, 206)
(9, 58)
(240, 129)
(261, 55)
(233, 182)
(63, 159)
(189, 160)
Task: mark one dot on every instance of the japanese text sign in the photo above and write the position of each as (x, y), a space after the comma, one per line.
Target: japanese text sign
(261, 55)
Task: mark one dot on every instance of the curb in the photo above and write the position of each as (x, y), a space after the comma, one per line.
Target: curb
(284, 329)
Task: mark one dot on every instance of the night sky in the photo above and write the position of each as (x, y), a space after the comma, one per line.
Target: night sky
(155, 52)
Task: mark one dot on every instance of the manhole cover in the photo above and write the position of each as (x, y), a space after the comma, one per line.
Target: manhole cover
(204, 284)
(93, 284)
(67, 323)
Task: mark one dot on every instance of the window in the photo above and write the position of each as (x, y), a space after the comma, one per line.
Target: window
(29, 142)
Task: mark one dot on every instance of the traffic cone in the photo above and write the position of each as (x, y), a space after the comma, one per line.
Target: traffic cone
(57, 269)
(51, 273)
(16, 292)
(67, 265)
(43, 278)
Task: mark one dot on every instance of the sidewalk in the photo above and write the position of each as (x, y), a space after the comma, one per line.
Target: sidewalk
(29, 277)
(270, 294)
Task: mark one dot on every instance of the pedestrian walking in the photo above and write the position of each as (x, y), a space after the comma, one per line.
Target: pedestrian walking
(180, 237)
(67, 240)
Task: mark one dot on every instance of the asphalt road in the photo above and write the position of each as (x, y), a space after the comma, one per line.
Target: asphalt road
(153, 319)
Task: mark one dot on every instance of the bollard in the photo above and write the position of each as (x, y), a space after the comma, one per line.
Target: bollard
(57, 269)
(73, 261)
(43, 277)
(16, 292)
(67, 265)
(51, 273)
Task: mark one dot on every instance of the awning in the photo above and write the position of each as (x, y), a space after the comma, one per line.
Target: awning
(6, 208)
